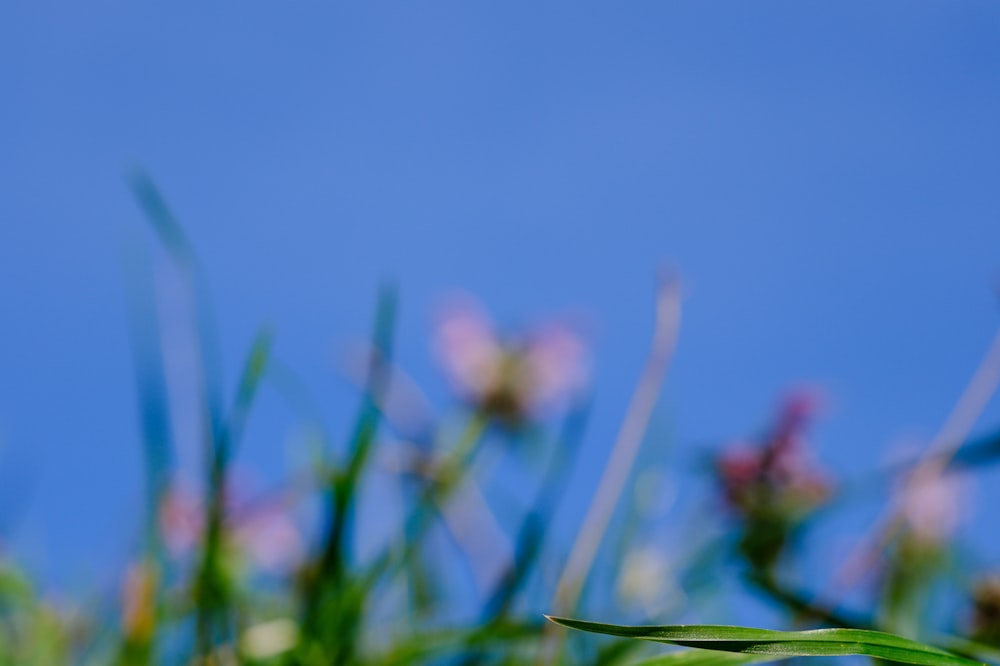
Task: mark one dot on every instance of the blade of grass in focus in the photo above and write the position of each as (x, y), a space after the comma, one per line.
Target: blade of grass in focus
(782, 644)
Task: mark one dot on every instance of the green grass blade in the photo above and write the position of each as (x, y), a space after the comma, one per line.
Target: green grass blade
(161, 217)
(254, 368)
(531, 534)
(425, 646)
(180, 251)
(815, 643)
(151, 385)
(222, 431)
(362, 441)
(705, 658)
(213, 596)
(331, 613)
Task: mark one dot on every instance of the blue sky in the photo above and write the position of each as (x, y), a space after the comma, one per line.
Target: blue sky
(822, 175)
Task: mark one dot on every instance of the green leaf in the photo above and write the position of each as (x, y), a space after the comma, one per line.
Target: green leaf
(782, 644)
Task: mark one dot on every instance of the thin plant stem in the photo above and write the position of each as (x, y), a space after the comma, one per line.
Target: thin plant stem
(623, 454)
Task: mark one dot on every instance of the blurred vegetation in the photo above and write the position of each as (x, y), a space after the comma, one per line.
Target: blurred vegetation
(224, 579)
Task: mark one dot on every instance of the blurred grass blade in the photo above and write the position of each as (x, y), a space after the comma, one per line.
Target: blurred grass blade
(363, 438)
(222, 430)
(431, 645)
(213, 597)
(532, 533)
(151, 388)
(619, 652)
(815, 643)
(254, 369)
(161, 217)
(803, 604)
(706, 658)
(331, 614)
(181, 253)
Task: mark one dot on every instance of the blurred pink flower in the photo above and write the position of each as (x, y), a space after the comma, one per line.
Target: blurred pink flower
(932, 509)
(798, 410)
(773, 486)
(181, 520)
(557, 358)
(509, 379)
(781, 464)
(469, 349)
(266, 534)
(270, 539)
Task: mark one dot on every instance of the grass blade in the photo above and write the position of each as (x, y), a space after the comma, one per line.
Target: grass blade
(815, 643)
(705, 658)
(154, 417)
(182, 256)
(331, 613)
(212, 593)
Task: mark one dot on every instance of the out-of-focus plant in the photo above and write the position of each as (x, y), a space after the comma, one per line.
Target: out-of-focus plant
(984, 623)
(918, 550)
(511, 380)
(222, 575)
(772, 488)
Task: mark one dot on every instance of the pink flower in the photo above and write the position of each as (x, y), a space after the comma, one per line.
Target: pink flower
(932, 509)
(557, 358)
(469, 350)
(181, 520)
(780, 465)
(509, 379)
(266, 534)
(773, 486)
(270, 539)
(799, 408)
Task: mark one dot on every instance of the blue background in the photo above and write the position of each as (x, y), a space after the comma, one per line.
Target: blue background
(822, 175)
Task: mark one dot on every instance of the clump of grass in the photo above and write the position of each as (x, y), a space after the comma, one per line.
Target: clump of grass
(215, 580)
